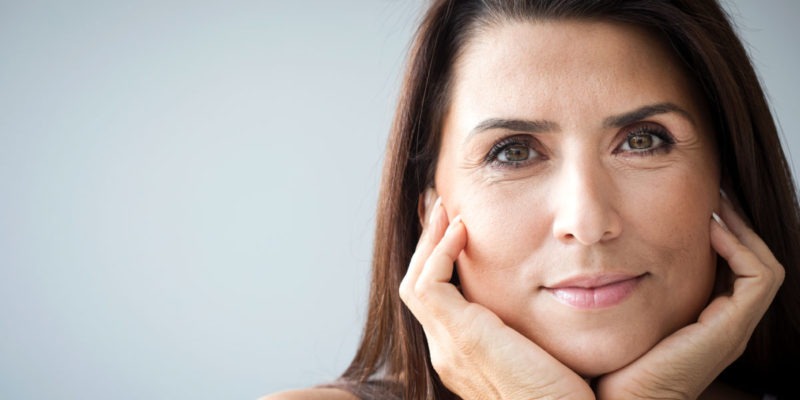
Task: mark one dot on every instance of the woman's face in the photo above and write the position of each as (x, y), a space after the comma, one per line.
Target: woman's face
(582, 162)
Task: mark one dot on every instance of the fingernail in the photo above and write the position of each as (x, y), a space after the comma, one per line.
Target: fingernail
(724, 195)
(436, 205)
(719, 221)
(454, 222)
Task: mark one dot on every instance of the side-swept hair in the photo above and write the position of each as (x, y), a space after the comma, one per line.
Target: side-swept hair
(393, 360)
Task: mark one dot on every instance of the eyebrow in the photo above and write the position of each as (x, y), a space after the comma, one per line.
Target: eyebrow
(519, 125)
(542, 126)
(645, 112)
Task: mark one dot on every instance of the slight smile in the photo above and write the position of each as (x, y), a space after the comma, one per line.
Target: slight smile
(595, 291)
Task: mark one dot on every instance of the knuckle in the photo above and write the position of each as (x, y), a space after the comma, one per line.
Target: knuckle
(774, 275)
(445, 364)
(466, 346)
(405, 290)
(780, 273)
(442, 368)
(740, 349)
(422, 291)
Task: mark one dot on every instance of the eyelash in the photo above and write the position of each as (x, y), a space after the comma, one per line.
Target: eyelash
(667, 142)
(504, 144)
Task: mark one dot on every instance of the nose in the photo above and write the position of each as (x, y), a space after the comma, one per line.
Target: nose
(585, 204)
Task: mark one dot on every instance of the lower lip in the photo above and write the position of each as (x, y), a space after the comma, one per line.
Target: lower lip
(597, 297)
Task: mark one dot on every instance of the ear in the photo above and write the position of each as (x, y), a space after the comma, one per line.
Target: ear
(425, 204)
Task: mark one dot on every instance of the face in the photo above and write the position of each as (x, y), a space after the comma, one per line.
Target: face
(583, 165)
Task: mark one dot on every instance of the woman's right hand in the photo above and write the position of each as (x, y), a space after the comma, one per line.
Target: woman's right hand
(476, 355)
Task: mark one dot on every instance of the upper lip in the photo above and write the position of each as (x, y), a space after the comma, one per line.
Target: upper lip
(593, 280)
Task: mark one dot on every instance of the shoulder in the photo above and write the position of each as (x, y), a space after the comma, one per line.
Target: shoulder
(312, 394)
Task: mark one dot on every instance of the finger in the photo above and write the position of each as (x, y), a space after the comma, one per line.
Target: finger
(746, 235)
(439, 267)
(433, 288)
(755, 281)
(741, 260)
(749, 239)
(431, 235)
(754, 287)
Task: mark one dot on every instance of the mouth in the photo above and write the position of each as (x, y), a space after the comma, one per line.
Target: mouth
(593, 292)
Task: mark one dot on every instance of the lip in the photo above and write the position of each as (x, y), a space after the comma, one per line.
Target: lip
(595, 291)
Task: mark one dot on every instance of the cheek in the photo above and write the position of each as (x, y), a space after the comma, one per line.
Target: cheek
(671, 227)
(506, 235)
(674, 212)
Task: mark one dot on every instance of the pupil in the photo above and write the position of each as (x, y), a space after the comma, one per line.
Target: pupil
(517, 153)
(640, 142)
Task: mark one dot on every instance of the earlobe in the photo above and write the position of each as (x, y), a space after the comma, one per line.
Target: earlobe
(425, 205)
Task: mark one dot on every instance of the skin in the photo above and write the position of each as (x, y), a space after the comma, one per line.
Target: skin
(585, 202)
(589, 205)
(311, 394)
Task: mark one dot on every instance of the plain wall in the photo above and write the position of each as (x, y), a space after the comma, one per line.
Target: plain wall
(187, 188)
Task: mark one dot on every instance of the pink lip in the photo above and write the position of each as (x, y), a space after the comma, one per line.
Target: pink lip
(598, 291)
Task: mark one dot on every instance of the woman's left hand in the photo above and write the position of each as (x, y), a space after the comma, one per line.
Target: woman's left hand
(683, 364)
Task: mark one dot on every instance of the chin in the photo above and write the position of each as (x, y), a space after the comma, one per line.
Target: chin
(594, 354)
(597, 365)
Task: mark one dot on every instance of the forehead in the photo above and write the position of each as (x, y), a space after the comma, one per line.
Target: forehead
(518, 68)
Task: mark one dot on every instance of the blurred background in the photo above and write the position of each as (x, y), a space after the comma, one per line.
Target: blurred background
(187, 188)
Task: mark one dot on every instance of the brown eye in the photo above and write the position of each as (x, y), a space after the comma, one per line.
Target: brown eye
(515, 153)
(640, 141)
(644, 141)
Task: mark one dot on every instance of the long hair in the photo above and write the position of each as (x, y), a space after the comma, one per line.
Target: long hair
(392, 360)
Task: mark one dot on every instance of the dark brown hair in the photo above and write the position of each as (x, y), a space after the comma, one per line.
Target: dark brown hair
(392, 360)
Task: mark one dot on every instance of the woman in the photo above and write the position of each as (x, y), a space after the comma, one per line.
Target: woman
(551, 223)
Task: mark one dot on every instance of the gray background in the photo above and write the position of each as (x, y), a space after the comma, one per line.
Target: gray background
(187, 188)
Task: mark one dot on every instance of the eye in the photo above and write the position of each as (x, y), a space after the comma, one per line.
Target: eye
(513, 151)
(642, 141)
(646, 139)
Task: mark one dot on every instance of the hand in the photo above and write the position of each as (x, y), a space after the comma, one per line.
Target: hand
(475, 354)
(682, 365)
